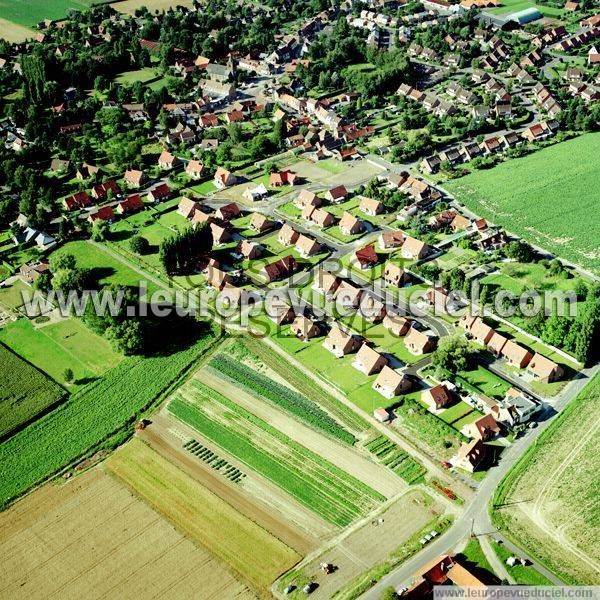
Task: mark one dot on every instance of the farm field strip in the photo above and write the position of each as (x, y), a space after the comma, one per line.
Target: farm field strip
(25, 392)
(252, 553)
(298, 405)
(396, 459)
(306, 386)
(330, 492)
(101, 410)
(353, 461)
(90, 537)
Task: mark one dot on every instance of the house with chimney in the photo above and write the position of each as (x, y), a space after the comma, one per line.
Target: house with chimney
(368, 360)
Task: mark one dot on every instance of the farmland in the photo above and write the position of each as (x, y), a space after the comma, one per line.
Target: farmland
(93, 538)
(94, 416)
(558, 477)
(314, 482)
(25, 391)
(251, 552)
(295, 403)
(130, 6)
(55, 347)
(546, 197)
(32, 12)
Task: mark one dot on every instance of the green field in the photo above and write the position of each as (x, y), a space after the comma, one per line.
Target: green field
(549, 198)
(33, 11)
(24, 393)
(511, 6)
(396, 459)
(100, 414)
(548, 503)
(55, 347)
(322, 487)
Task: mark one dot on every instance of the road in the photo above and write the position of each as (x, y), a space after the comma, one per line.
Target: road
(476, 519)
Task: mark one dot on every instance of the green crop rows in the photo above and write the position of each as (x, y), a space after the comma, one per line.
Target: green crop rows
(214, 460)
(25, 392)
(300, 406)
(329, 491)
(92, 417)
(396, 459)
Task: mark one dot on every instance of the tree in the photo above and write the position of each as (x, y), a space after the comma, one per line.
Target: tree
(100, 231)
(68, 375)
(180, 252)
(126, 336)
(389, 594)
(452, 354)
(139, 245)
(519, 250)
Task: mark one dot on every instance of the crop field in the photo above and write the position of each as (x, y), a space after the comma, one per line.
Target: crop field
(130, 6)
(55, 347)
(511, 6)
(546, 197)
(102, 410)
(289, 400)
(253, 554)
(315, 482)
(548, 503)
(33, 11)
(24, 393)
(92, 538)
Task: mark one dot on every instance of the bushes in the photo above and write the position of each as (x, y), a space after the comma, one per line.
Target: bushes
(284, 397)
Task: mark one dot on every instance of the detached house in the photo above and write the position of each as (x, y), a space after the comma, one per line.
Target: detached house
(260, 223)
(167, 161)
(326, 283)
(337, 194)
(417, 342)
(414, 249)
(307, 246)
(280, 311)
(287, 235)
(348, 295)
(220, 235)
(366, 257)
(340, 343)
(228, 212)
(394, 275)
(281, 178)
(159, 193)
(371, 207)
(391, 239)
(280, 269)
(305, 329)
(390, 383)
(102, 214)
(130, 205)
(350, 225)
(485, 428)
(437, 397)
(306, 198)
(516, 355)
(194, 169)
(396, 324)
(224, 178)
(469, 456)
(134, 178)
(369, 361)
(188, 206)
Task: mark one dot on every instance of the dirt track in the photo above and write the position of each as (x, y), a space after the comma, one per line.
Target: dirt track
(159, 435)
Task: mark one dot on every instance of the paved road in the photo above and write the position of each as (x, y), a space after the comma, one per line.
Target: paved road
(476, 518)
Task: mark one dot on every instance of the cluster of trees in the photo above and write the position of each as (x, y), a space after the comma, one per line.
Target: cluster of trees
(453, 354)
(180, 253)
(391, 199)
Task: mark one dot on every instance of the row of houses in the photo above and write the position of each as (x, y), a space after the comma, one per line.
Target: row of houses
(428, 100)
(540, 367)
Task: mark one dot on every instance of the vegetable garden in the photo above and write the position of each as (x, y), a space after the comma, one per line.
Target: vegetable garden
(396, 459)
(316, 483)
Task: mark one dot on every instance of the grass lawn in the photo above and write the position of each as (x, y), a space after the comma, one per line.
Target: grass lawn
(455, 257)
(331, 166)
(547, 197)
(144, 75)
(208, 187)
(10, 296)
(484, 381)
(55, 347)
(474, 554)
(522, 575)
